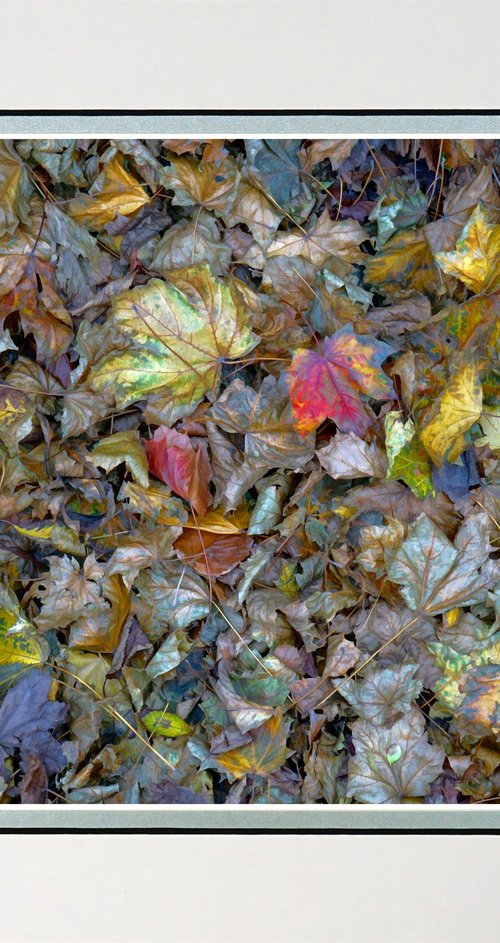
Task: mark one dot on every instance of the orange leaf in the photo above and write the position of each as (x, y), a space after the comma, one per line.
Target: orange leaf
(213, 554)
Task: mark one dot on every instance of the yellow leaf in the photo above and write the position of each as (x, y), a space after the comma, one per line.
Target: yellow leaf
(336, 151)
(286, 581)
(476, 322)
(404, 264)
(480, 708)
(476, 258)
(343, 512)
(155, 502)
(165, 725)
(114, 192)
(14, 190)
(91, 669)
(459, 409)
(213, 523)
(489, 758)
(450, 617)
(37, 530)
(60, 536)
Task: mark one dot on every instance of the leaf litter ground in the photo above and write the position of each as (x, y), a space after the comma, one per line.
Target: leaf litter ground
(249, 484)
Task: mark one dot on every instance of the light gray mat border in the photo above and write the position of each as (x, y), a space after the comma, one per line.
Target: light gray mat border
(302, 125)
(319, 818)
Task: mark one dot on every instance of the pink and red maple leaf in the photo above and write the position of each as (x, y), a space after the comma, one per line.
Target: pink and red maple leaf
(326, 383)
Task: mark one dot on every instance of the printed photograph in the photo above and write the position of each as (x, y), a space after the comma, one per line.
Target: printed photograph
(249, 471)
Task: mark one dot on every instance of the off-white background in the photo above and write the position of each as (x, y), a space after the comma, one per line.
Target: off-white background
(249, 889)
(248, 54)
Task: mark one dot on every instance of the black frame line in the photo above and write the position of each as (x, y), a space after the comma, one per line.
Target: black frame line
(184, 830)
(259, 112)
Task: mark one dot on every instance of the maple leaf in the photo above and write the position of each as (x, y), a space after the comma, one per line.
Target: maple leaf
(326, 383)
(27, 287)
(192, 242)
(277, 168)
(392, 763)
(67, 589)
(180, 332)
(384, 694)
(170, 596)
(27, 719)
(336, 151)
(252, 207)
(211, 185)
(321, 240)
(405, 263)
(435, 575)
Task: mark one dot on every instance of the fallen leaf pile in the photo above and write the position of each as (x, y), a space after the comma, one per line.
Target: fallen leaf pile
(249, 493)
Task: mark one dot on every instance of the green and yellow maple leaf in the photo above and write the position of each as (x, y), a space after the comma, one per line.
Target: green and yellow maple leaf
(19, 647)
(407, 458)
(181, 332)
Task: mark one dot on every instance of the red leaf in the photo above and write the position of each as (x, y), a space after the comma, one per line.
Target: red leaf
(185, 469)
(326, 383)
